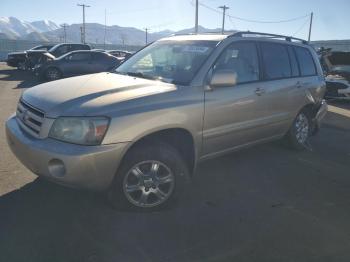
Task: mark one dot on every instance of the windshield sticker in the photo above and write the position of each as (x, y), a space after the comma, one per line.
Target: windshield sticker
(195, 49)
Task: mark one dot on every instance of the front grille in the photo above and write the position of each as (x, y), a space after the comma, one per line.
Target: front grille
(30, 118)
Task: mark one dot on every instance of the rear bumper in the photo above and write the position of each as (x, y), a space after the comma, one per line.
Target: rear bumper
(88, 167)
(320, 114)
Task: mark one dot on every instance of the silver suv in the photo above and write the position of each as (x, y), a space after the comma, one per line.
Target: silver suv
(139, 132)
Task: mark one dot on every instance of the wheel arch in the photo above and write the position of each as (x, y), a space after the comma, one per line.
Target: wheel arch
(179, 138)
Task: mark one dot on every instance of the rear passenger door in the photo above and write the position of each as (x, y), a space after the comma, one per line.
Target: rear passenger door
(280, 86)
(308, 82)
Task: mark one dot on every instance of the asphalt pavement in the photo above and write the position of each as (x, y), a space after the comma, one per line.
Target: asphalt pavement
(266, 203)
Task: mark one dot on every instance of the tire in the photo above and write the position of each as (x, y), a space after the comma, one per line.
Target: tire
(52, 74)
(151, 177)
(300, 131)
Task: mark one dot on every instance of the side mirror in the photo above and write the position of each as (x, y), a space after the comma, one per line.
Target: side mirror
(222, 78)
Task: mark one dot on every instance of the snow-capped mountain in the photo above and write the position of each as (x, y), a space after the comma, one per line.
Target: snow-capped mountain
(14, 28)
(44, 25)
(48, 31)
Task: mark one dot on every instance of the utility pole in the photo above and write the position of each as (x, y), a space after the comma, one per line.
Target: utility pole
(310, 28)
(223, 7)
(64, 32)
(146, 30)
(104, 38)
(83, 32)
(196, 19)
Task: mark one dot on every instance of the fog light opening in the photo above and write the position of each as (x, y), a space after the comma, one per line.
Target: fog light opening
(56, 168)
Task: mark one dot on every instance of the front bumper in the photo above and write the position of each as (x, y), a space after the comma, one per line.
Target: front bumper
(88, 167)
(11, 62)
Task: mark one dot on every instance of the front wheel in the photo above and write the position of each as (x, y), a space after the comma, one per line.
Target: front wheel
(52, 74)
(300, 131)
(150, 177)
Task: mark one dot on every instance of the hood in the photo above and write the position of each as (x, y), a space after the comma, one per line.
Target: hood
(91, 94)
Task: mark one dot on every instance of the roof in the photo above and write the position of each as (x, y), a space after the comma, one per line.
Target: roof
(239, 34)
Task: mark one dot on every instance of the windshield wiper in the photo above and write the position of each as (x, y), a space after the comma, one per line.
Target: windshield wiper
(141, 75)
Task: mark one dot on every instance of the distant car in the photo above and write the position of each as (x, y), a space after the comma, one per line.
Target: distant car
(61, 49)
(75, 63)
(17, 59)
(34, 56)
(336, 66)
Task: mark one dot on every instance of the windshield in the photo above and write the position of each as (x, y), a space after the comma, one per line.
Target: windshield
(53, 48)
(170, 61)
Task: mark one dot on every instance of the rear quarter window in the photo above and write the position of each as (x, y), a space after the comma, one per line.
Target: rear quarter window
(306, 61)
(293, 61)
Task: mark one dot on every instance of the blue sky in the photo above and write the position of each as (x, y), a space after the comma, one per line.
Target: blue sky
(331, 18)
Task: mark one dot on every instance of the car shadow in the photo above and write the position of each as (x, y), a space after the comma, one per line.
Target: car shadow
(40, 217)
(26, 79)
(45, 222)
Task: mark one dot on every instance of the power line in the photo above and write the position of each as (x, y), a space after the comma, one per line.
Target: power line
(301, 27)
(256, 21)
(83, 31)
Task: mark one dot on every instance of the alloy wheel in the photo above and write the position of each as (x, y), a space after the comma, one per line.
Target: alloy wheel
(53, 74)
(148, 184)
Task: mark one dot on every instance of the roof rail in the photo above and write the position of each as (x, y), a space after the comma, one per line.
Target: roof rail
(201, 33)
(273, 36)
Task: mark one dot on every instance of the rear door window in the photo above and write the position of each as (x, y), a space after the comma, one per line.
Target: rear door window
(99, 56)
(306, 62)
(80, 57)
(276, 62)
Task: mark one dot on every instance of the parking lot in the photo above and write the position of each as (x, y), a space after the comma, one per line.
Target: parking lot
(266, 203)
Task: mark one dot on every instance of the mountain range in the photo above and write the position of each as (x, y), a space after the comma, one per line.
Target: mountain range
(48, 31)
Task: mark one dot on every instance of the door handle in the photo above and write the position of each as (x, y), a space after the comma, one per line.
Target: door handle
(259, 91)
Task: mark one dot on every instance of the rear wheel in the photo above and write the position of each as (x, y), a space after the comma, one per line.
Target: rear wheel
(150, 177)
(300, 131)
(53, 73)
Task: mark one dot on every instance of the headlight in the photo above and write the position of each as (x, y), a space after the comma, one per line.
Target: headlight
(80, 130)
